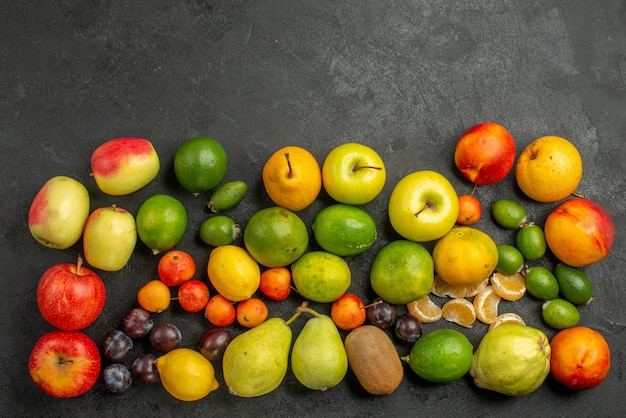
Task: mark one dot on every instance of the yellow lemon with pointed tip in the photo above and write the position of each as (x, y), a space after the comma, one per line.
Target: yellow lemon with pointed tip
(186, 374)
(233, 272)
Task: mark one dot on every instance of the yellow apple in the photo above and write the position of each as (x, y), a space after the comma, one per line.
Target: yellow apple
(109, 238)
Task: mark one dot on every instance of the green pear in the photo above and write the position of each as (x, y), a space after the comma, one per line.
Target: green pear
(109, 238)
(318, 358)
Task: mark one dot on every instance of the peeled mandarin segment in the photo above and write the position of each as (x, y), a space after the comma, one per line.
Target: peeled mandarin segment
(460, 311)
(510, 288)
(486, 305)
(442, 289)
(471, 291)
(507, 318)
(424, 309)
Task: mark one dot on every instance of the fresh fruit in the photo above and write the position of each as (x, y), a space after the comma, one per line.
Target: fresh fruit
(465, 256)
(318, 357)
(137, 323)
(507, 318)
(165, 337)
(219, 230)
(485, 153)
(70, 296)
(460, 311)
(381, 314)
(276, 283)
(220, 312)
(348, 312)
(444, 289)
(58, 213)
(116, 345)
(425, 310)
(574, 284)
(193, 295)
(109, 238)
(470, 210)
(344, 230)
(402, 272)
(251, 312)
(510, 260)
(117, 378)
(214, 341)
(275, 237)
(508, 287)
(200, 164)
(549, 169)
(560, 314)
(292, 178)
(124, 165)
(441, 356)
(423, 206)
(541, 283)
(531, 242)
(227, 196)
(408, 328)
(233, 272)
(154, 296)
(186, 374)
(143, 368)
(581, 358)
(579, 232)
(353, 174)
(374, 360)
(508, 213)
(176, 267)
(64, 364)
(486, 305)
(511, 359)
(161, 222)
(321, 276)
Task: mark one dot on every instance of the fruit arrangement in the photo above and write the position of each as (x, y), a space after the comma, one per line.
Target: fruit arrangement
(440, 268)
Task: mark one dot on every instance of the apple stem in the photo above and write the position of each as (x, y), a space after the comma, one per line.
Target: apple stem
(365, 166)
(290, 174)
(474, 189)
(378, 302)
(426, 206)
(576, 194)
(79, 263)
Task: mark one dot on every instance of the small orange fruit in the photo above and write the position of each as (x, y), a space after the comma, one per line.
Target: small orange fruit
(175, 267)
(251, 312)
(510, 288)
(460, 311)
(424, 309)
(220, 311)
(486, 305)
(276, 283)
(470, 210)
(507, 318)
(154, 296)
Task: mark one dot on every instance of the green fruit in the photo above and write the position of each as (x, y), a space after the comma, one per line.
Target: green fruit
(161, 222)
(200, 164)
(531, 242)
(402, 271)
(574, 284)
(510, 260)
(560, 314)
(541, 283)
(511, 359)
(321, 276)
(441, 356)
(508, 213)
(227, 196)
(219, 230)
(344, 230)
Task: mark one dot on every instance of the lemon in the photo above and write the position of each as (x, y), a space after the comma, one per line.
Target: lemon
(321, 276)
(186, 374)
(161, 222)
(541, 283)
(510, 260)
(233, 272)
(344, 230)
(402, 272)
(200, 164)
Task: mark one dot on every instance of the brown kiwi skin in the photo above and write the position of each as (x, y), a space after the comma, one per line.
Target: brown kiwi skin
(374, 360)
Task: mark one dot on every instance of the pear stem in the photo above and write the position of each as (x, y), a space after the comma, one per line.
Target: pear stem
(297, 314)
(290, 174)
(309, 311)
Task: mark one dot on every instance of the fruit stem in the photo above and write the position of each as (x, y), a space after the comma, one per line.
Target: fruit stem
(474, 189)
(576, 194)
(358, 167)
(405, 358)
(297, 314)
(290, 174)
(308, 310)
(426, 206)
(378, 302)
(79, 263)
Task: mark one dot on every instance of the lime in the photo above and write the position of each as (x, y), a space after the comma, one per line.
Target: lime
(441, 356)
(219, 230)
(161, 222)
(402, 271)
(574, 284)
(560, 314)
(531, 242)
(508, 213)
(510, 260)
(200, 164)
(541, 283)
(321, 276)
(186, 374)
(275, 237)
(344, 230)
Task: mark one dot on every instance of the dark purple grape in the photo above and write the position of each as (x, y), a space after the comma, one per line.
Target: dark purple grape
(137, 323)
(381, 314)
(116, 345)
(117, 377)
(144, 369)
(165, 337)
(214, 342)
(408, 328)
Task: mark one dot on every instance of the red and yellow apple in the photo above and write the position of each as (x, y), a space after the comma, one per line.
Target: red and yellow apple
(579, 232)
(58, 212)
(124, 165)
(110, 237)
(485, 153)
(70, 296)
(64, 364)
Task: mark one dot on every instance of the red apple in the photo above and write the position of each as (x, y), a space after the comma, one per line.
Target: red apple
(64, 364)
(485, 153)
(70, 296)
(579, 232)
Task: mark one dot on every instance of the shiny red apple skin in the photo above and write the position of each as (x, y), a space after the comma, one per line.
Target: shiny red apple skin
(485, 153)
(70, 296)
(64, 364)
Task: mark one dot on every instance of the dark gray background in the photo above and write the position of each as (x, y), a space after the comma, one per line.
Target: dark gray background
(406, 78)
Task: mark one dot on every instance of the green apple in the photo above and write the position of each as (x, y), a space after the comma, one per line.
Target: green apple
(58, 212)
(109, 238)
(423, 206)
(353, 173)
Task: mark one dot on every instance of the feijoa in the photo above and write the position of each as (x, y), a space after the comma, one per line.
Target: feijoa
(541, 283)
(510, 260)
(574, 284)
(508, 213)
(227, 196)
(219, 230)
(560, 314)
(531, 242)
